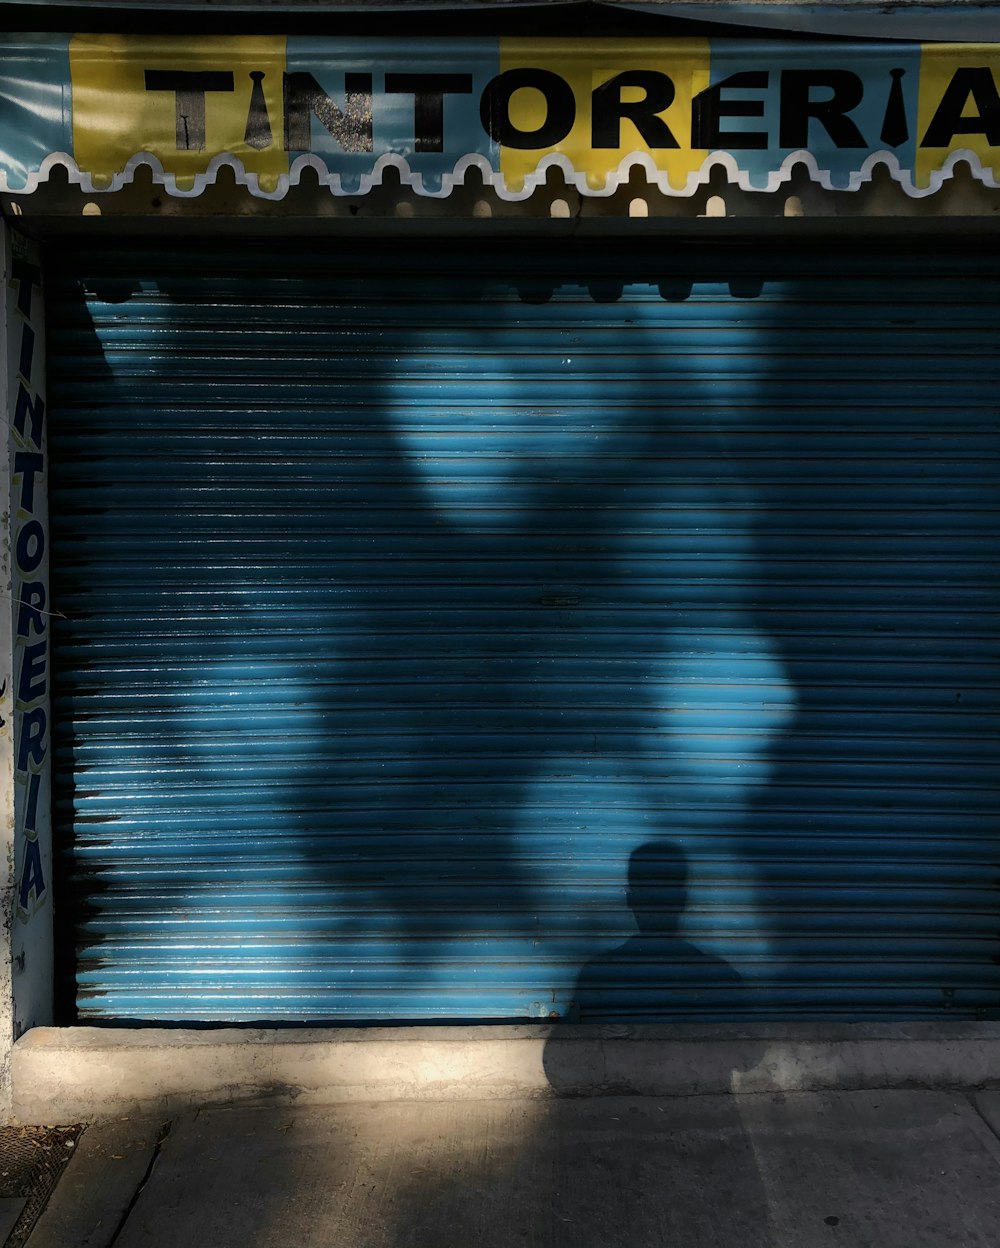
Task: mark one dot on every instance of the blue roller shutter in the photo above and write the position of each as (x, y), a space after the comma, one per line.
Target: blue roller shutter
(495, 631)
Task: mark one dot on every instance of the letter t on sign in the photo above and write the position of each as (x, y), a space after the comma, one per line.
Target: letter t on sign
(190, 88)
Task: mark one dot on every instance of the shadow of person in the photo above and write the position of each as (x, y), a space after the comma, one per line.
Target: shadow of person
(656, 976)
(610, 1158)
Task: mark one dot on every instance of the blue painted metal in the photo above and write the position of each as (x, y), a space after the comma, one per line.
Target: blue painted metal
(408, 595)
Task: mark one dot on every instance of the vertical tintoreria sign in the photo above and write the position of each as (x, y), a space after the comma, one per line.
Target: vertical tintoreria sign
(30, 615)
(346, 110)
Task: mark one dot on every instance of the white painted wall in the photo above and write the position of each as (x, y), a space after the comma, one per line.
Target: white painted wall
(26, 964)
(6, 722)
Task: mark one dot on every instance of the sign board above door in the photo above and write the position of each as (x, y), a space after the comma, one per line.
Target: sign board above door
(597, 110)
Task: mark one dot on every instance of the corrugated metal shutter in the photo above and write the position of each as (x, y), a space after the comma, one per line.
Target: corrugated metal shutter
(412, 593)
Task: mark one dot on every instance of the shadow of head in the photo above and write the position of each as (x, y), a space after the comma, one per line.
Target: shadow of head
(657, 887)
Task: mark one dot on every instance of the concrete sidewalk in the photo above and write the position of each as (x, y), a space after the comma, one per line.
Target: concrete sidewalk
(885, 1169)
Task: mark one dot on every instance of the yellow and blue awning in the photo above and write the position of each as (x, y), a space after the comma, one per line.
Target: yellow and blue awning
(349, 110)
